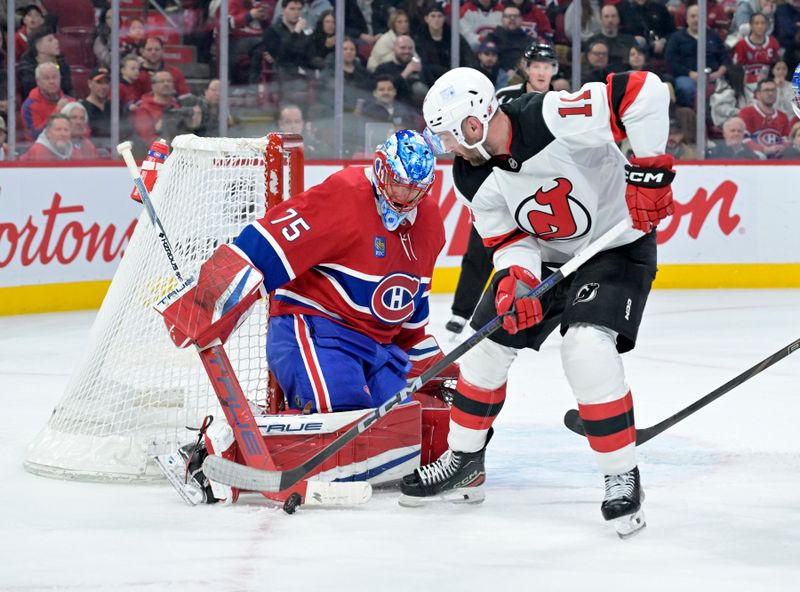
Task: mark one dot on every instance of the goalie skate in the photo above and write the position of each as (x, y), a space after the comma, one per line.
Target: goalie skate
(622, 505)
(174, 467)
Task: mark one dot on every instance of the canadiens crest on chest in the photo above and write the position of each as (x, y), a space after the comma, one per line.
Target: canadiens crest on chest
(553, 212)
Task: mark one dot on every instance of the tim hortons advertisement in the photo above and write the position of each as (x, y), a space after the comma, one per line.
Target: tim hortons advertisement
(65, 224)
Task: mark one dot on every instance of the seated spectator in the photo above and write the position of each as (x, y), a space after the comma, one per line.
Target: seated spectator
(598, 67)
(618, 44)
(681, 56)
(511, 39)
(787, 24)
(286, 54)
(312, 12)
(767, 127)
(746, 9)
(187, 118)
(729, 96)
(648, 20)
(147, 118)
(676, 144)
(32, 20)
(793, 150)
(407, 70)
(533, 20)
(46, 98)
(54, 143)
(128, 75)
(323, 39)
(132, 37)
(357, 80)
(383, 106)
(383, 50)
(209, 105)
(356, 26)
(756, 53)
(153, 61)
(780, 71)
(248, 21)
(3, 137)
(637, 58)
(97, 105)
(82, 147)
(732, 147)
(560, 84)
(43, 48)
(101, 45)
(489, 64)
(590, 19)
(433, 45)
(717, 18)
(478, 19)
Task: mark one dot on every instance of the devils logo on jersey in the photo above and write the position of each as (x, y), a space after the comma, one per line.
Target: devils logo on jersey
(553, 214)
(393, 299)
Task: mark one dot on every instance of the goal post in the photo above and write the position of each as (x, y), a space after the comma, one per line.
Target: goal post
(134, 393)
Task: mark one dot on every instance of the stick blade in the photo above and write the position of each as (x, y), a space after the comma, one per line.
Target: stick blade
(230, 473)
(573, 422)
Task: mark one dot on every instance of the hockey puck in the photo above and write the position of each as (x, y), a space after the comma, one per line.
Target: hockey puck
(291, 503)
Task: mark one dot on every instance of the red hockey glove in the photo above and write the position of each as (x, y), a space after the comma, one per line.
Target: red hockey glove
(207, 313)
(510, 290)
(649, 192)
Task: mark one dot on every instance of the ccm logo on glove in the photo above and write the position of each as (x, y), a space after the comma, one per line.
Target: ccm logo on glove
(649, 191)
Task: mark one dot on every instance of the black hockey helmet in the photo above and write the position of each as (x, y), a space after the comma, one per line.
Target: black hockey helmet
(540, 52)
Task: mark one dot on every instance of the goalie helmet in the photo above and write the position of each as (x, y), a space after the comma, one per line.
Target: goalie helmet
(456, 95)
(402, 172)
(796, 88)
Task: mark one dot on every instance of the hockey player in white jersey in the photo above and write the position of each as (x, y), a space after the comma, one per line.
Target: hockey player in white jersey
(544, 178)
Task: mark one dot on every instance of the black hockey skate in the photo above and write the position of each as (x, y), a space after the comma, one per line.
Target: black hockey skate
(456, 324)
(454, 477)
(194, 455)
(622, 504)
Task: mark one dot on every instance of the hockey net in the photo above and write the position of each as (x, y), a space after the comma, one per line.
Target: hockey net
(134, 393)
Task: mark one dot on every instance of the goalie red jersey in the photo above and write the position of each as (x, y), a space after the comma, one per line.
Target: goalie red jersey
(326, 253)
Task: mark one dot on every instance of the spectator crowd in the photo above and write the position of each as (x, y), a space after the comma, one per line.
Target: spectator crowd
(281, 67)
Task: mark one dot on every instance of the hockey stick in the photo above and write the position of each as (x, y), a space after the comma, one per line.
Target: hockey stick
(220, 469)
(573, 421)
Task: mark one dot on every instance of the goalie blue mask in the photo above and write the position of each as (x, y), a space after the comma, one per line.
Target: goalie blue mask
(402, 174)
(796, 88)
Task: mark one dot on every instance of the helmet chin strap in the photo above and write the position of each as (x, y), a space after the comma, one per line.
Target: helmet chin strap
(479, 145)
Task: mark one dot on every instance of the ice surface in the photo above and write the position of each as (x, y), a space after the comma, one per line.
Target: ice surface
(723, 487)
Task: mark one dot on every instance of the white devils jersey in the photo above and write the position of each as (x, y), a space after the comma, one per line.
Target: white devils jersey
(563, 183)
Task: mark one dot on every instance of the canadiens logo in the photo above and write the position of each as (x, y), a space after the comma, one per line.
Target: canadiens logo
(554, 213)
(393, 299)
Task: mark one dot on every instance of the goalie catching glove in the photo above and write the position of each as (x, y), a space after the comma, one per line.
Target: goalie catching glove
(649, 192)
(511, 290)
(213, 307)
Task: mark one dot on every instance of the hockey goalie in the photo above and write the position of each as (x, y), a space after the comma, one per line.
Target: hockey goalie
(349, 263)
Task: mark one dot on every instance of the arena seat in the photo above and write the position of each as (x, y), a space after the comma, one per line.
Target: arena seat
(72, 13)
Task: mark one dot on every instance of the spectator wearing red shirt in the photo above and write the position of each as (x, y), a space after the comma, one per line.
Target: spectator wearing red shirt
(82, 147)
(757, 52)
(32, 19)
(153, 61)
(45, 99)
(248, 21)
(129, 70)
(767, 127)
(132, 37)
(150, 110)
(53, 143)
(533, 20)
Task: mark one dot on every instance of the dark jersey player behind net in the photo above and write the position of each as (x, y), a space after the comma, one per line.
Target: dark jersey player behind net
(544, 178)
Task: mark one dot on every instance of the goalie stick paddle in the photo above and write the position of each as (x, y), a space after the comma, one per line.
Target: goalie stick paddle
(573, 421)
(282, 480)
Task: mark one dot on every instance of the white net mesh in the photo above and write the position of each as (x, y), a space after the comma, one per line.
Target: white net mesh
(134, 392)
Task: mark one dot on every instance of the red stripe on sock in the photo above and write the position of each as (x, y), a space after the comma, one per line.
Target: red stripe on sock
(473, 422)
(613, 442)
(489, 397)
(600, 411)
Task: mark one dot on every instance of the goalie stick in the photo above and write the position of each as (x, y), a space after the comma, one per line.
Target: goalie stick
(223, 377)
(223, 470)
(573, 421)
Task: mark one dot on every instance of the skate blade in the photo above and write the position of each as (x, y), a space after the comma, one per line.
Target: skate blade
(464, 495)
(627, 526)
(171, 465)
